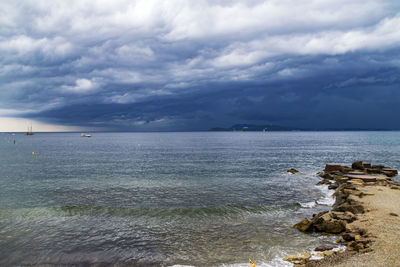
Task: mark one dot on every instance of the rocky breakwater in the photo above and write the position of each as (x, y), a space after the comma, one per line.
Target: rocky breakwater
(350, 185)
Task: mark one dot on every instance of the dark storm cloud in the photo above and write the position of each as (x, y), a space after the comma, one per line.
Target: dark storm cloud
(157, 65)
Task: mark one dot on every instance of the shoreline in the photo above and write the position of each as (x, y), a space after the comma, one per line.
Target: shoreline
(365, 218)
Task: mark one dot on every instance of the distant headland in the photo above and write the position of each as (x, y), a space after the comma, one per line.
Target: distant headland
(271, 127)
(255, 128)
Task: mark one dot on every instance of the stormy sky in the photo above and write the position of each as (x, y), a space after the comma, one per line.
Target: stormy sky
(191, 65)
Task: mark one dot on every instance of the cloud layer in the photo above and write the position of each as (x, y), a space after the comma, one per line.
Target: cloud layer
(191, 65)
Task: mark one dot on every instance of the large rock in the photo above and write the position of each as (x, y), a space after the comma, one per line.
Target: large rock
(333, 186)
(325, 222)
(357, 165)
(331, 167)
(389, 172)
(324, 181)
(325, 175)
(293, 171)
(324, 248)
(366, 165)
(304, 226)
(353, 207)
(301, 259)
(349, 236)
(345, 216)
(353, 192)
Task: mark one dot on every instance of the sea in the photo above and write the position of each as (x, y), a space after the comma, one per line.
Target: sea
(171, 198)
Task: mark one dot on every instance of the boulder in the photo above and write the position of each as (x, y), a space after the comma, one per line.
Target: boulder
(324, 181)
(293, 171)
(389, 172)
(345, 216)
(304, 225)
(354, 208)
(331, 167)
(349, 236)
(364, 240)
(301, 259)
(324, 248)
(328, 253)
(325, 222)
(353, 192)
(338, 178)
(339, 189)
(325, 175)
(333, 186)
(366, 165)
(357, 165)
(353, 245)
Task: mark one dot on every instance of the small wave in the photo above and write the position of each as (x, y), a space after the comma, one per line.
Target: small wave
(308, 205)
(328, 199)
(315, 254)
(276, 262)
(196, 212)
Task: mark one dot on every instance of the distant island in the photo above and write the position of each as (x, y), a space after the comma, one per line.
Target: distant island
(253, 128)
(269, 128)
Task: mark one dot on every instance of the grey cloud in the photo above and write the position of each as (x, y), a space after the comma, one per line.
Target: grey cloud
(174, 64)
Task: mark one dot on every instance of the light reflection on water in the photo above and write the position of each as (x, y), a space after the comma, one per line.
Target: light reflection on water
(168, 198)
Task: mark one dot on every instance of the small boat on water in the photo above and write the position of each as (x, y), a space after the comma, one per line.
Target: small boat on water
(85, 135)
(29, 132)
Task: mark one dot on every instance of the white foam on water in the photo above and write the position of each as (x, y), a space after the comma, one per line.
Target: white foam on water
(314, 255)
(328, 199)
(278, 262)
(308, 205)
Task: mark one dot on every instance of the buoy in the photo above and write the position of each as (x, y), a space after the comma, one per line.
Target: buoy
(252, 264)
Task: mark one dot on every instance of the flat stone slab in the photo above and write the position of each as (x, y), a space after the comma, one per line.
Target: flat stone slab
(357, 173)
(364, 178)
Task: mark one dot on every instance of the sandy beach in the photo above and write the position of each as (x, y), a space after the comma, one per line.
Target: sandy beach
(365, 217)
(382, 226)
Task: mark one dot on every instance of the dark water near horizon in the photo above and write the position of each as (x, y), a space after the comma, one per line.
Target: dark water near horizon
(162, 199)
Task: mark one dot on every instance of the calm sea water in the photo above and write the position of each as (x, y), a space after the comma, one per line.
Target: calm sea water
(161, 199)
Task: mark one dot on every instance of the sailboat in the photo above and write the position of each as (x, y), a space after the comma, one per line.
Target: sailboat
(29, 132)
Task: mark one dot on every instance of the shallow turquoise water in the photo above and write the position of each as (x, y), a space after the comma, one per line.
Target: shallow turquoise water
(202, 198)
